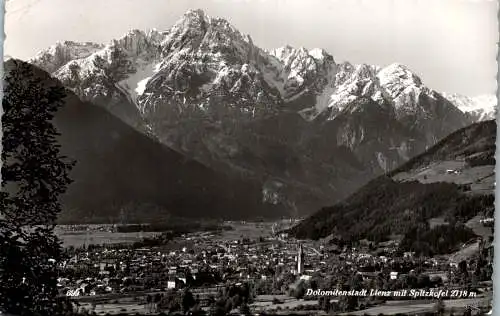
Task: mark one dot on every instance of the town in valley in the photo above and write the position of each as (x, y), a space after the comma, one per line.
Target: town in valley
(257, 268)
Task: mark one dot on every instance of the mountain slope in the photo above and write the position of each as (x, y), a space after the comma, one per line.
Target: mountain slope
(309, 129)
(454, 179)
(119, 170)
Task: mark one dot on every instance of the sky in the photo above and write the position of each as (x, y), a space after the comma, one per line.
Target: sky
(450, 44)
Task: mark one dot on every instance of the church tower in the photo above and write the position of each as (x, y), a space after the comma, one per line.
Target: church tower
(300, 260)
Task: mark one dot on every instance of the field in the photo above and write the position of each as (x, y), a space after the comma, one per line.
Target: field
(480, 178)
(470, 249)
(245, 230)
(465, 253)
(113, 309)
(437, 221)
(265, 302)
(414, 307)
(478, 228)
(77, 236)
(80, 237)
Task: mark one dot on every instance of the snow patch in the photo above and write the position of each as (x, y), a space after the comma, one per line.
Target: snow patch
(325, 99)
(136, 83)
(382, 161)
(317, 53)
(141, 86)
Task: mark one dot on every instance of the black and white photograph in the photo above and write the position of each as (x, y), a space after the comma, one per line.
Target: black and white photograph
(248, 157)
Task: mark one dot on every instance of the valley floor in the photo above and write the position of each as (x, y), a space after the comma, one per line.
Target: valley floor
(117, 278)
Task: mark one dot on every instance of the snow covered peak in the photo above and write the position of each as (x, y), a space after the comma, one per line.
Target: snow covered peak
(282, 51)
(194, 19)
(394, 84)
(197, 33)
(137, 42)
(319, 53)
(398, 74)
(287, 54)
(291, 57)
(59, 57)
(201, 56)
(196, 14)
(403, 88)
(60, 53)
(481, 107)
(302, 69)
(364, 71)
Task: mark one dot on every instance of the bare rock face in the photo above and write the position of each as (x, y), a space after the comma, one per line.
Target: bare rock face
(290, 116)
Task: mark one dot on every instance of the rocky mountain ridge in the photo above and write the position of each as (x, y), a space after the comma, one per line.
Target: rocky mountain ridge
(480, 108)
(310, 129)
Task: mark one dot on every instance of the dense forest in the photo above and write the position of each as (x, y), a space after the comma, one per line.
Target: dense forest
(385, 207)
(427, 241)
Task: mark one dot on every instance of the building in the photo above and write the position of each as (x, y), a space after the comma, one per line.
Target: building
(300, 260)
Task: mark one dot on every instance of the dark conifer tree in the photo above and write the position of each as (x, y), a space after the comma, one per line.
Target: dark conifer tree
(34, 175)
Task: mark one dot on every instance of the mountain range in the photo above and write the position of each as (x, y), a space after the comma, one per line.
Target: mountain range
(310, 130)
(480, 108)
(123, 175)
